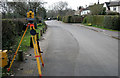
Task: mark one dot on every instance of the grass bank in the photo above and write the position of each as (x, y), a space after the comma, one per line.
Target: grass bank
(101, 27)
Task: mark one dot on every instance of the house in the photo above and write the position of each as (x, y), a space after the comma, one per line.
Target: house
(112, 6)
(106, 5)
(85, 11)
(78, 12)
(82, 11)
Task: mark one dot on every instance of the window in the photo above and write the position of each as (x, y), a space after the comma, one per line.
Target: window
(114, 8)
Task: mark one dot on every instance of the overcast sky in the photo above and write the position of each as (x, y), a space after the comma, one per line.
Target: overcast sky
(74, 3)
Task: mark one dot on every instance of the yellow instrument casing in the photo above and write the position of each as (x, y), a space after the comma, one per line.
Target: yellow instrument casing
(30, 14)
(3, 58)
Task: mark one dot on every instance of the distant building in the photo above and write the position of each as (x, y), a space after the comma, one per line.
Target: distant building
(85, 11)
(112, 6)
(82, 11)
(78, 12)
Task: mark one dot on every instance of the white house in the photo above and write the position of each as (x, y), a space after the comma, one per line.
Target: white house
(115, 6)
(85, 11)
(77, 12)
(106, 5)
(112, 6)
(82, 11)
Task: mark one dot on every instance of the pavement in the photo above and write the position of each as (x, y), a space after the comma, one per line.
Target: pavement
(74, 50)
(113, 34)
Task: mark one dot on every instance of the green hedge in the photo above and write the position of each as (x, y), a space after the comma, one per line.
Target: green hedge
(105, 21)
(72, 19)
(10, 30)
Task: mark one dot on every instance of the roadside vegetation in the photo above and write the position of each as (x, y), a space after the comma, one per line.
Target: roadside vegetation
(25, 45)
(13, 26)
(98, 17)
(13, 32)
(109, 22)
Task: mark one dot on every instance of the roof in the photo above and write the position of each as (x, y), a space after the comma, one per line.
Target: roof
(107, 4)
(85, 9)
(117, 3)
(110, 4)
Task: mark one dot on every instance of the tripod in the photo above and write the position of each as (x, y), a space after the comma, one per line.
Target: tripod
(38, 55)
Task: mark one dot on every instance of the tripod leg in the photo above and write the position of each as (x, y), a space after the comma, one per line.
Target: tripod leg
(37, 57)
(38, 52)
(17, 49)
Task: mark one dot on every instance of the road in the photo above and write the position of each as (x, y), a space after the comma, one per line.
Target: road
(73, 50)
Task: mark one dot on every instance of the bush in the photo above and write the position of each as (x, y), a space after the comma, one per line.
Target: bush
(112, 13)
(105, 21)
(84, 20)
(10, 30)
(72, 19)
(112, 22)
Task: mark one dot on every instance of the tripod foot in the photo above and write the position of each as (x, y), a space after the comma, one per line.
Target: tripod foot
(8, 69)
(43, 65)
(40, 76)
(41, 52)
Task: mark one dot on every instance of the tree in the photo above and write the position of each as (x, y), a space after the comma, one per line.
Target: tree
(80, 7)
(20, 8)
(41, 12)
(97, 9)
(59, 7)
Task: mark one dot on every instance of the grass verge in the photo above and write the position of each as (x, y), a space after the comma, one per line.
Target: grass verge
(101, 27)
(26, 41)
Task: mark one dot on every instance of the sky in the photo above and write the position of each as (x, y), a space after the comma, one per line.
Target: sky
(75, 3)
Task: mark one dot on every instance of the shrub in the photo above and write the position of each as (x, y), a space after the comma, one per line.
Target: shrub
(112, 22)
(84, 20)
(8, 33)
(10, 30)
(72, 19)
(112, 13)
(105, 21)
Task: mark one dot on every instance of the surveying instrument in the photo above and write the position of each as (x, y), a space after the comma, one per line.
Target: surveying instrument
(37, 51)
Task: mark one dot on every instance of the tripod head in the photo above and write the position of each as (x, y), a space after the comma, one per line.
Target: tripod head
(30, 19)
(30, 16)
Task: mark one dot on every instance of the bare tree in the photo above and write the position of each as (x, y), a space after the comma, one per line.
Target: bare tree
(59, 7)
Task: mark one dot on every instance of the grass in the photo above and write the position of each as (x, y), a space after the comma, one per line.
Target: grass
(101, 27)
(26, 41)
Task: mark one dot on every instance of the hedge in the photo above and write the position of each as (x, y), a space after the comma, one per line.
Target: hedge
(105, 21)
(10, 30)
(72, 19)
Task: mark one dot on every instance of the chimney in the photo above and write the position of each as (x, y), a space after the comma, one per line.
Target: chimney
(98, 1)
